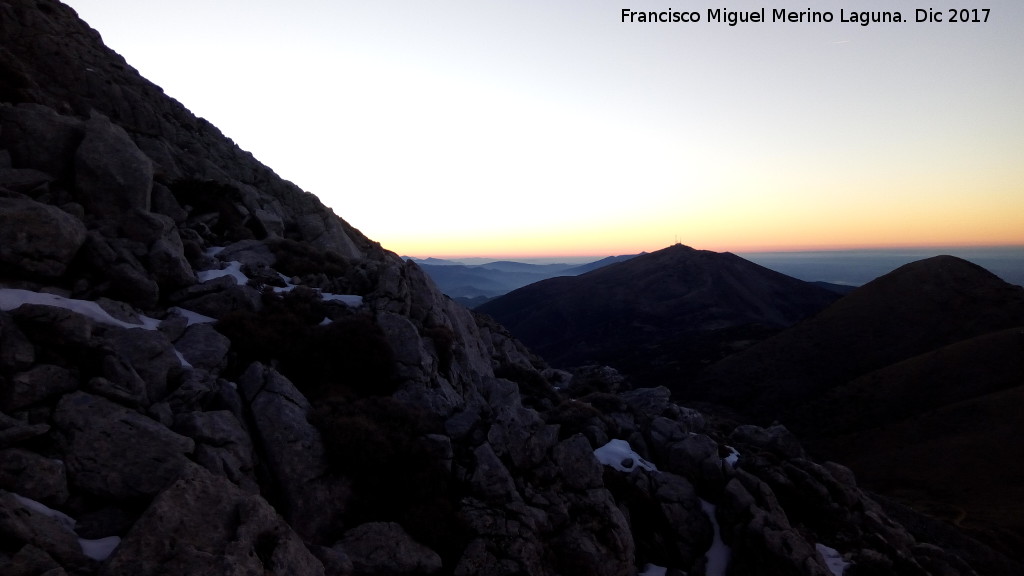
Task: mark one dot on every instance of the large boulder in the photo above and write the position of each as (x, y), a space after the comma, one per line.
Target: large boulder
(38, 383)
(36, 238)
(222, 445)
(385, 549)
(112, 176)
(34, 476)
(203, 525)
(292, 448)
(149, 353)
(203, 347)
(37, 137)
(115, 452)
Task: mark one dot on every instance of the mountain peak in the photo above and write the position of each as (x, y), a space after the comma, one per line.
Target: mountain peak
(652, 301)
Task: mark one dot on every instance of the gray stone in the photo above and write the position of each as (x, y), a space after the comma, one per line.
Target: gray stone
(41, 382)
(14, 431)
(597, 542)
(650, 402)
(115, 452)
(775, 439)
(33, 476)
(491, 480)
(149, 353)
(119, 272)
(22, 523)
(37, 238)
(252, 253)
(695, 456)
(37, 137)
(218, 297)
(164, 251)
(204, 348)
(16, 351)
(575, 460)
(120, 382)
(32, 561)
(385, 549)
(54, 326)
(204, 525)
(112, 176)
(336, 562)
(24, 180)
(222, 445)
(292, 448)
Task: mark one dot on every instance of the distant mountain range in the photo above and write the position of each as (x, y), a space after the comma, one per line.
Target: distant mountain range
(474, 284)
(657, 316)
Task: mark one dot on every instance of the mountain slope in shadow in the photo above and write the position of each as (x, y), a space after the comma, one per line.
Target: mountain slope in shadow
(659, 315)
(915, 309)
(915, 380)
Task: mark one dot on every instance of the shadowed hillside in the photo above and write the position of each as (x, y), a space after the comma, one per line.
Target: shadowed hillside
(915, 380)
(659, 316)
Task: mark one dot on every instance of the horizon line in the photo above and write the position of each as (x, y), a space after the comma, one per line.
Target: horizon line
(551, 256)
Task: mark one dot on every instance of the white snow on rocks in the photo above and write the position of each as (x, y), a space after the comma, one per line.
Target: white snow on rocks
(719, 554)
(833, 559)
(98, 549)
(620, 455)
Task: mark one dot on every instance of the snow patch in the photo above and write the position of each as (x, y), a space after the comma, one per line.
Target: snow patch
(719, 554)
(11, 298)
(732, 457)
(65, 520)
(190, 316)
(99, 549)
(232, 269)
(348, 299)
(833, 559)
(620, 455)
(181, 358)
(653, 570)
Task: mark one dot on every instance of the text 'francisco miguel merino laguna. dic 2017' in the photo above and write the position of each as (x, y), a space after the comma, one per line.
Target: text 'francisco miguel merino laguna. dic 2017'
(863, 18)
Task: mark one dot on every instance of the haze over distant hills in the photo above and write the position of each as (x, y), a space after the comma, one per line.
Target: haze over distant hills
(473, 281)
(858, 267)
(474, 284)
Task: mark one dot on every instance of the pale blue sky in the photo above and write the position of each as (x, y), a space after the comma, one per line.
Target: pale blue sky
(454, 128)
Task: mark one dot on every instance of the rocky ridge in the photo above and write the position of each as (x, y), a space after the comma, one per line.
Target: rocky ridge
(205, 371)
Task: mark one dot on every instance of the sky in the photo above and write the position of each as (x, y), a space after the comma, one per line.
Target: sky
(457, 128)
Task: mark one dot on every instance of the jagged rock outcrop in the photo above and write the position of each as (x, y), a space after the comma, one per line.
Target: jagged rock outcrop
(208, 372)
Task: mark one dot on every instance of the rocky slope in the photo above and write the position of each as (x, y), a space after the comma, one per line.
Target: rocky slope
(205, 371)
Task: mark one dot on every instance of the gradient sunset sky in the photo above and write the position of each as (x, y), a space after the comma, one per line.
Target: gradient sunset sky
(454, 128)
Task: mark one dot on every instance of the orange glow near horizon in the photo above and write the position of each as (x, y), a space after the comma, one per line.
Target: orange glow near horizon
(513, 134)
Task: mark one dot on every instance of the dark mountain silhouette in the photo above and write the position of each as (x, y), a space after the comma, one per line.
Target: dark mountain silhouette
(915, 309)
(916, 380)
(658, 315)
